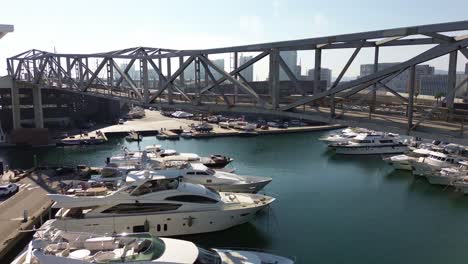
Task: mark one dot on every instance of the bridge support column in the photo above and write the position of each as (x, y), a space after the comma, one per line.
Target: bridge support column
(332, 106)
(274, 78)
(15, 106)
(181, 76)
(412, 87)
(374, 88)
(170, 98)
(236, 88)
(37, 102)
(452, 81)
(197, 81)
(144, 79)
(317, 70)
(160, 68)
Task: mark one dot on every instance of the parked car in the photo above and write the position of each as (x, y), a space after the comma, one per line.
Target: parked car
(8, 189)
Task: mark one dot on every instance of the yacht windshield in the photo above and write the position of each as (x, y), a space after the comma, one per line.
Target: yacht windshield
(156, 186)
(211, 171)
(141, 247)
(207, 257)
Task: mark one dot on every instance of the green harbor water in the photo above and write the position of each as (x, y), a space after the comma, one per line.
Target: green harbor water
(329, 208)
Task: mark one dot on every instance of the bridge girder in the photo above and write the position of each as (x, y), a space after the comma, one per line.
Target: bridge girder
(72, 71)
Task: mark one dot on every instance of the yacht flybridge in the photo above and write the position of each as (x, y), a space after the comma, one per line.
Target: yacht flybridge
(198, 173)
(161, 205)
(344, 135)
(52, 246)
(374, 143)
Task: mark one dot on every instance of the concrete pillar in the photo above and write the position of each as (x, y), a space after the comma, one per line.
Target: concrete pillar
(69, 82)
(197, 80)
(15, 106)
(181, 76)
(144, 79)
(332, 106)
(59, 72)
(87, 67)
(80, 72)
(207, 78)
(37, 101)
(169, 88)
(274, 78)
(412, 87)
(160, 68)
(317, 70)
(452, 81)
(236, 65)
(374, 91)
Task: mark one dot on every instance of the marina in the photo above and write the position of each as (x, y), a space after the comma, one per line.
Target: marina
(377, 182)
(201, 143)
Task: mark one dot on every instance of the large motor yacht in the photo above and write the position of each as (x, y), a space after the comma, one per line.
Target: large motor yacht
(160, 205)
(375, 143)
(200, 174)
(434, 162)
(53, 246)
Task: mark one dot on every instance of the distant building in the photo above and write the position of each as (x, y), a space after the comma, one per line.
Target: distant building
(131, 72)
(325, 74)
(290, 58)
(398, 83)
(189, 73)
(247, 73)
(438, 84)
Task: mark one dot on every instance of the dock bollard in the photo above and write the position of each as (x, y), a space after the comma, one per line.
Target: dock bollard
(25, 215)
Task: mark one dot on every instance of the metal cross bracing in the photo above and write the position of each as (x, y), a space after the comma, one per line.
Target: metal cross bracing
(158, 84)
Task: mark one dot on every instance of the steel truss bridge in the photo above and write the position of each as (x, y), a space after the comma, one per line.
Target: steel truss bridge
(358, 102)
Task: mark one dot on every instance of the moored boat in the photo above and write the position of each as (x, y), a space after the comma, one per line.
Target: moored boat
(53, 246)
(364, 144)
(165, 205)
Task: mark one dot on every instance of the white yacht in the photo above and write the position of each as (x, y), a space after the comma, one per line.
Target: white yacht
(54, 246)
(197, 173)
(157, 152)
(433, 163)
(375, 143)
(403, 161)
(344, 135)
(160, 205)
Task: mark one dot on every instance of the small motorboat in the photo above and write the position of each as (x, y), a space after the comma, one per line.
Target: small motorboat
(133, 136)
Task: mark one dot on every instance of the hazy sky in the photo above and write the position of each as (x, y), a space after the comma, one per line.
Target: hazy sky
(92, 26)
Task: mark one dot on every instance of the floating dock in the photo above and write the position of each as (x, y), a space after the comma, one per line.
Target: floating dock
(223, 132)
(154, 123)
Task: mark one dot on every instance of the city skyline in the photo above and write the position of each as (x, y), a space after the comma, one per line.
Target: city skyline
(84, 30)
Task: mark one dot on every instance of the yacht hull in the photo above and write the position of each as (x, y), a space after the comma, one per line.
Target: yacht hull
(399, 164)
(439, 180)
(369, 150)
(240, 188)
(164, 224)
